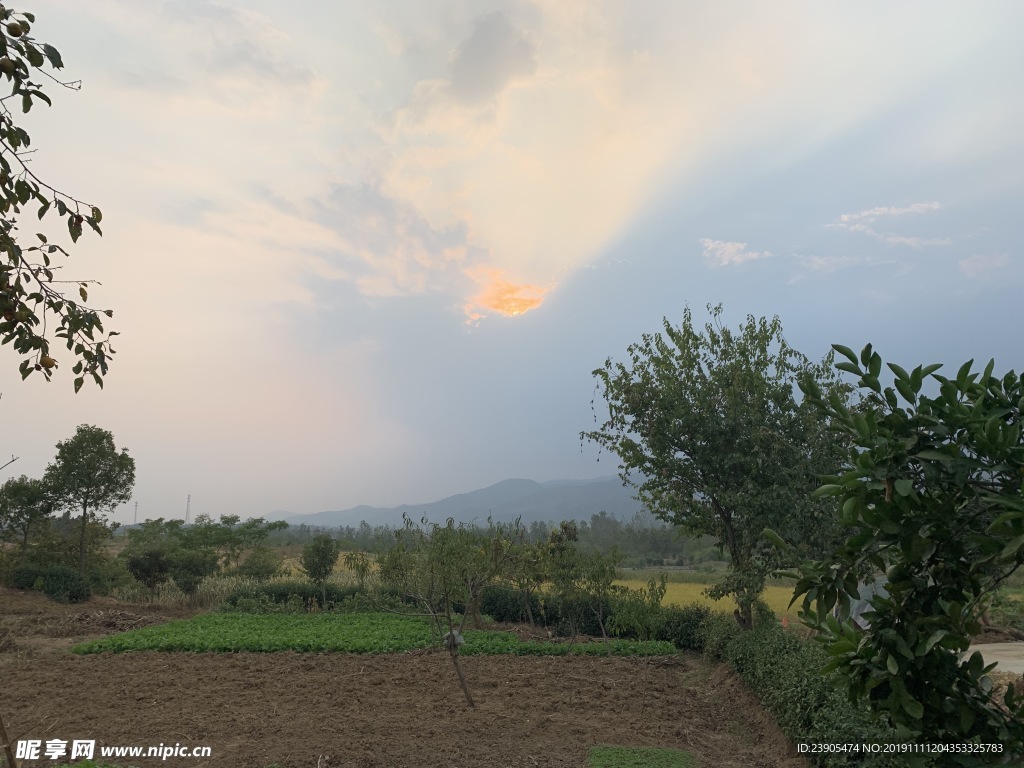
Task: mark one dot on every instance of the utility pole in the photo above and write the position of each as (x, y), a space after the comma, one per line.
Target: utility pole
(188, 508)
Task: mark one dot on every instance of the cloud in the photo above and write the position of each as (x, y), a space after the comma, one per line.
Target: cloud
(859, 222)
(984, 267)
(494, 54)
(722, 253)
(499, 295)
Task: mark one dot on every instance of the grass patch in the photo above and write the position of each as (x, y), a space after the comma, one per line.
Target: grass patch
(340, 633)
(639, 757)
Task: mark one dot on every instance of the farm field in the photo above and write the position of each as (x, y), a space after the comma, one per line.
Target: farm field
(298, 710)
(677, 593)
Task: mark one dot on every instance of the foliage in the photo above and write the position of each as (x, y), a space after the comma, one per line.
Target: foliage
(27, 282)
(638, 757)
(88, 474)
(24, 505)
(331, 632)
(529, 568)
(190, 566)
(261, 564)
(504, 603)
(931, 494)
(442, 567)
(25, 576)
(282, 590)
(65, 585)
(638, 612)
(359, 563)
(709, 423)
(151, 565)
(319, 558)
(782, 671)
(229, 536)
(682, 626)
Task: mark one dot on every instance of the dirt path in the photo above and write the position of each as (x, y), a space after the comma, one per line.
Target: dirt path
(303, 710)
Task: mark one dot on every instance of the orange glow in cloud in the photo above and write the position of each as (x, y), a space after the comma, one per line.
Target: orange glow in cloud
(499, 295)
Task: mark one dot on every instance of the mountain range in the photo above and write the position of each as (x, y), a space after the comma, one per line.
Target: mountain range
(504, 501)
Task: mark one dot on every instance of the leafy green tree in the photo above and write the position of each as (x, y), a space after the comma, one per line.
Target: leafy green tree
(528, 570)
(319, 558)
(90, 475)
(443, 567)
(931, 495)
(24, 506)
(28, 292)
(709, 424)
(359, 563)
(229, 537)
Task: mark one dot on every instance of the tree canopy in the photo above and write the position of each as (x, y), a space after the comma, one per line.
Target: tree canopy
(932, 495)
(707, 428)
(90, 475)
(29, 288)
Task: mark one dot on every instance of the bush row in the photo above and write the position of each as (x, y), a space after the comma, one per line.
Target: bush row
(281, 592)
(59, 582)
(782, 670)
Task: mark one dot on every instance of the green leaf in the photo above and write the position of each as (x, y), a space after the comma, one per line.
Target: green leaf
(1010, 550)
(892, 665)
(911, 706)
(850, 368)
(930, 455)
(42, 212)
(845, 352)
(901, 373)
(904, 487)
(53, 56)
(78, 383)
(26, 102)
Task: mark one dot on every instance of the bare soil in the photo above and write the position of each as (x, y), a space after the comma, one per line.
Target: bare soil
(293, 710)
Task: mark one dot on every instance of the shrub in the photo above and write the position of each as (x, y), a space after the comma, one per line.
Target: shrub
(505, 603)
(715, 634)
(65, 585)
(783, 671)
(151, 566)
(262, 563)
(25, 576)
(682, 626)
(280, 592)
(190, 566)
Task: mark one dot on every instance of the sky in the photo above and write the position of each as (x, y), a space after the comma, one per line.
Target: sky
(371, 253)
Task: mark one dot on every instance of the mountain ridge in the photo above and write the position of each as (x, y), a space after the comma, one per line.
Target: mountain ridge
(503, 501)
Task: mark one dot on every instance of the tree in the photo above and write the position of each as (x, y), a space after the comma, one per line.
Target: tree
(443, 567)
(89, 474)
(27, 282)
(319, 558)
(931, 495)
(24, 506)
(710, 424)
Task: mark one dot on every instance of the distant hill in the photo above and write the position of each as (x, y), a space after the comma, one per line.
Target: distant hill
(503, 501)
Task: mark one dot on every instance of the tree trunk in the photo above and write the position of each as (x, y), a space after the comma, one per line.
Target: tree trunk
(453, 651)
(8, 752)
(529, 612)
(81, 541)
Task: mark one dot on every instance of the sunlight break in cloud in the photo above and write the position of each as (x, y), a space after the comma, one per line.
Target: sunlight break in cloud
(499, 295)
(981, 267)
(722, 253)
(858, 222)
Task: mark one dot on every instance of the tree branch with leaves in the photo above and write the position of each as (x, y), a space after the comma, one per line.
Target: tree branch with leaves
(30, 294)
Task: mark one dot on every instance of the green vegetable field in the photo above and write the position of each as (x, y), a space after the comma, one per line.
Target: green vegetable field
(337, 632)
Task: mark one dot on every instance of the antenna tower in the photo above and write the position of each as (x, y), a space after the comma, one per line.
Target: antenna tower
(188, 508)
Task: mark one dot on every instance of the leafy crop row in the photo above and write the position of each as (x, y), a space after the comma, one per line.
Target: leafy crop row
(343, 633)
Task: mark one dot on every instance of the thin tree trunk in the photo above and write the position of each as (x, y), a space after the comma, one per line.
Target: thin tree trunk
(8, 752)
(81, 542)
(453, 651)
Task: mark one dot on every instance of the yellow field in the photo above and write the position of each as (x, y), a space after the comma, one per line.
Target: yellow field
(685, 594)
